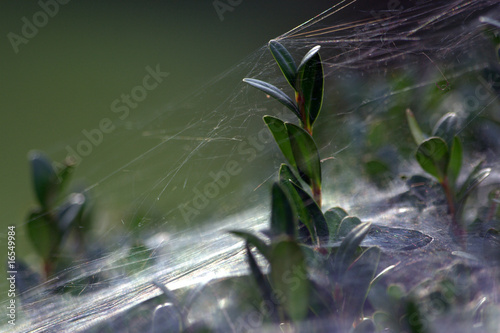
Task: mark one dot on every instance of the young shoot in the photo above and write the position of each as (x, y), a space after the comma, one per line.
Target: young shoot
(440, 155)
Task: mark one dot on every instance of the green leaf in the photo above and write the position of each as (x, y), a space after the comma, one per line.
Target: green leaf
(477, 175)
(305, 154)
(307, 209)
(455, 161)
(289, 278)
(285, 61)
(347, 224)
(45, 180)
(262, 283)
(347, 250)
(70, 211)
(416, 132)
(446, 127)
(433, 157)
(358, 281)
(263, 248)
(310, 84)
(301, 207)
(315, 213)
(287, 174)
(414, 317)
(283, 220)
(333, 218)
(43, 234)
(280, 133)
(274, 92)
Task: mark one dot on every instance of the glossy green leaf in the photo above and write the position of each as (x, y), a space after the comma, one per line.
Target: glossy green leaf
(283, 218)
(280, 133)
(477, 175)
(446, 128)
(347, 224)
(310, 84)
(333, 218)
(45, 179)
(287, 174)
(315, 213)
(416, 132)
(285, 61)
(346, 254)
(263, 248)
(358, 279)
(304, 212)
(273, 91)
(43, 234)
(455, 163)
(307, 210)
(433, 157)
(305, 154)
(289, 278)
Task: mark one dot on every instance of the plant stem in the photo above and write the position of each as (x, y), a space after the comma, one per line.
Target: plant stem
(457, 229)
(316, 191)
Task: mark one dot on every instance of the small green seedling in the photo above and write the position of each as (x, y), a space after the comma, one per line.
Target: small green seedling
(50, 224)
(296, 142)
(440, 155)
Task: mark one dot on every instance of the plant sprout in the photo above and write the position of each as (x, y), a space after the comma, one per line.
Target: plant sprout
(297, 220)
(50, 224)
(440, 155)
(295, 142)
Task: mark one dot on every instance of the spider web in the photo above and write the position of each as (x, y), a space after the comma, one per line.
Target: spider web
(196, 179)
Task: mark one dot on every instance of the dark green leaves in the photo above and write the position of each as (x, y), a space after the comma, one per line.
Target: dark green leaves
(299, 149)
(285, 61)
(433, 157)
(43, 234)
(307, 80)
(274, 92)
(305, 154)
(45, 179)
(446, 128)
(283, 220)
(477, 175)
(280, 133)
(288, 264)
(346, 253)
(309, 86)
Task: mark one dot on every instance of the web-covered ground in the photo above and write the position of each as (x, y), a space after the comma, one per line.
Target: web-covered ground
(196, 180)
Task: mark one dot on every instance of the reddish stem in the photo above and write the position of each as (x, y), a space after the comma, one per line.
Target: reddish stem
(455, 224)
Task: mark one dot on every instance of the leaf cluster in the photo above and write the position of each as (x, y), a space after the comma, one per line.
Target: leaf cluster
(440, 155)
(301, 237)
(57, 215)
